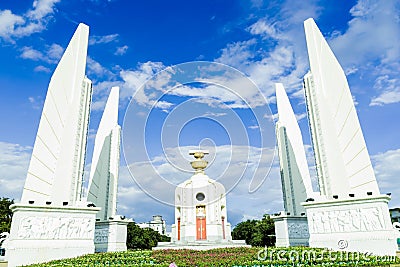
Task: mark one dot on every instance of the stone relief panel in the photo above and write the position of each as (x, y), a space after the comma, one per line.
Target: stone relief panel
(55, 228)
(350, 220)
(298, 230)
(101, 236)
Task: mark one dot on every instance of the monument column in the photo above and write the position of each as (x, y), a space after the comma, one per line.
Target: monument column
(111, 229)
(52, 222)
(291, 227)
(350, 213)
(200, 212)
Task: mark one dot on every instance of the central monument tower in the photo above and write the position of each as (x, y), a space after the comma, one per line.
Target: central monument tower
(200, 212)
(200, 206)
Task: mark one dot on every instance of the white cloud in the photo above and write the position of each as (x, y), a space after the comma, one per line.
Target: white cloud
(266, 30)
(36, 102)
(101, 91)
(387, 171)
(92, 136)
(212, 84)
(104, 39)
(42, 8)
(380, 43)
(278, 66)
(51, 54)
(121, 50)
(34, 20)
(214, 114)
(134, 79)
(388, 97)
(238, 53)
(301, 116)
(30, 53)
(14, 163)
(391, 90)
(99, 104)
(163, 105)
(8, 23)
(375, 29)
(254, 127)
(41, 68)
(55, 52)
(376, 56)
(280, 54)
(217, 93)
(95, 68)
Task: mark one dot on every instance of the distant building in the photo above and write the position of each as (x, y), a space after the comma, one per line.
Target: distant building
(157, 224)
(395, 214)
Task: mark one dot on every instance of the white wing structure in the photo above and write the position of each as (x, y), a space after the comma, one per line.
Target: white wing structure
(56, 168)
(342, 159)
(105, 162)
(295, 176)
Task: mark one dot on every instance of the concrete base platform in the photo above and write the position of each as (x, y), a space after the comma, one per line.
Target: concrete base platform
(352, 224)
(291, 230)
(110, 235)
(44, 233)
(201, 245)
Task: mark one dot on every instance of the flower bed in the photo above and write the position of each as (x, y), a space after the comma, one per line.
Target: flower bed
(234, 257)
(129, 258)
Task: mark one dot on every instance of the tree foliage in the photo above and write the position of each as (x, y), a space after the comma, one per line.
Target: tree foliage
(256, 232)
(145, 238)
(5, 214)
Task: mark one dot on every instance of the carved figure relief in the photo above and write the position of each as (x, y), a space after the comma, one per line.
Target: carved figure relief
(333, 221)
(55, 228)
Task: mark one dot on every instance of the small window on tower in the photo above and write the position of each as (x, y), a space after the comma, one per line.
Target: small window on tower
(200, 196)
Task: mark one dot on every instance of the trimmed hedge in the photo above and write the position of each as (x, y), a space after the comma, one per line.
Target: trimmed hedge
(234, 257)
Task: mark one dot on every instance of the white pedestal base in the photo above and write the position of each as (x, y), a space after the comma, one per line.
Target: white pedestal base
(110, 236)
(352, 224)
(291, 231)
(215, 233)
(201, 245)
(45, 233)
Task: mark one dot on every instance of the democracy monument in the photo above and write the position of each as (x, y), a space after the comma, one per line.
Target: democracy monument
(201, 220)
(111, 229)
(55, 220)
(291, 228)
(348, 213)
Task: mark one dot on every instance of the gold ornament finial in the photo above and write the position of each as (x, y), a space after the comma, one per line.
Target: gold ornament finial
(199, 164)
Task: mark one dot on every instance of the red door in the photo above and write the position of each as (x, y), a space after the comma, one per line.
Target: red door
(201, 228)
(179, 228)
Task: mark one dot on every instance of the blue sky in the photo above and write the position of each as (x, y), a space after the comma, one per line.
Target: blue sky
(130, 41)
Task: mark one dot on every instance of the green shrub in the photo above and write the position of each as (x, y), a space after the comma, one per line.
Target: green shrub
(234, 257)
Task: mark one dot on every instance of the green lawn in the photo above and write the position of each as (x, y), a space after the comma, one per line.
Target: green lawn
(234, 257)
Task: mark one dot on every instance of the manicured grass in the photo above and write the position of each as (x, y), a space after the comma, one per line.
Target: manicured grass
(234, 257)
